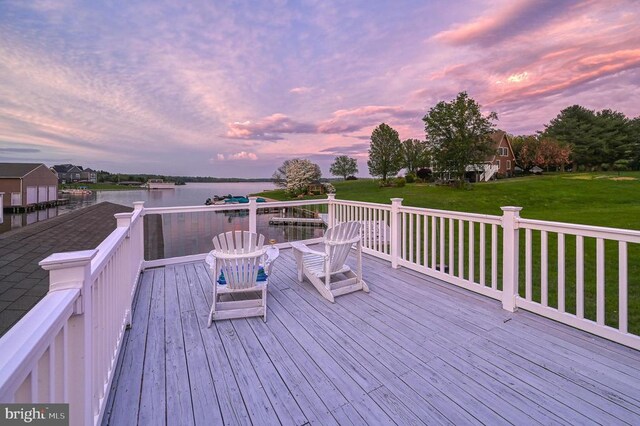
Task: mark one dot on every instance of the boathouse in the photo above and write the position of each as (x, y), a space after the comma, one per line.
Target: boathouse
(27, 185)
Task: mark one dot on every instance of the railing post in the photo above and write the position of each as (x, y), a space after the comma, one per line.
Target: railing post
(331, 200)
(396, 203)
(67, 271)
(1, 207)
(510, 256)
(138, 235)
(253, 214)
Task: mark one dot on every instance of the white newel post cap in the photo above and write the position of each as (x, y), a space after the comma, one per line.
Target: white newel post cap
(138, 205)
(68, 270)
(123, 219)
(510, 209)
(397, 200)
(331, 196)
(253, 199)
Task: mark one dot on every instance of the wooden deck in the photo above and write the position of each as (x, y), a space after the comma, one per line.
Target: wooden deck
(413, 351)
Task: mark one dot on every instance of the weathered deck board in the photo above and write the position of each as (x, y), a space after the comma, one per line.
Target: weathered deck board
(413, 351)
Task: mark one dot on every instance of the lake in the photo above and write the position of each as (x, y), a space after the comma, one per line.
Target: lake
(179, 234)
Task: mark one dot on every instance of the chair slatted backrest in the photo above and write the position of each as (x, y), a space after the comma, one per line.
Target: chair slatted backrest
(338, 241)
(238, 255)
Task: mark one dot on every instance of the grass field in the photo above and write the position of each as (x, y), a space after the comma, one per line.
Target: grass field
(600, 199)
(592, 199)
(100, 186)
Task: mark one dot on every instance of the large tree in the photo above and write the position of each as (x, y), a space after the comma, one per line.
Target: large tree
(299, 174)
(344, 166)
(385, 152)
(541, 151)
(596, 138)
(458, 135)
(415, 155)
(280, 175)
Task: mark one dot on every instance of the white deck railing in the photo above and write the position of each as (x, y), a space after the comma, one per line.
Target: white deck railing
(66, 348)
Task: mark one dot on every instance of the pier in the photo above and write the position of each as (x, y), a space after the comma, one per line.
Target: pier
(22, 282)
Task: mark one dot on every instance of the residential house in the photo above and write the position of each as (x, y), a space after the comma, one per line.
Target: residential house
(88, 175)
(68, 173)
(27, 184)
(501, 162)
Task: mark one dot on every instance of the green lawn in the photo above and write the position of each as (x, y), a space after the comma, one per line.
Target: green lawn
(99, 186)
(603, 199)
(587, 198)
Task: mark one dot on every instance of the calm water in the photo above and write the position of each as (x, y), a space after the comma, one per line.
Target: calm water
(179, 234)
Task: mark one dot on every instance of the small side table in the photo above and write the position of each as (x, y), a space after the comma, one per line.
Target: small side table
(272, 253)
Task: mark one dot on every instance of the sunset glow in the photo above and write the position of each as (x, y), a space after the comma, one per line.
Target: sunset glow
(228, 89)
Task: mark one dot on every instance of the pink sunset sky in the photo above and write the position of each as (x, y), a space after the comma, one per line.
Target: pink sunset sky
(235, 88)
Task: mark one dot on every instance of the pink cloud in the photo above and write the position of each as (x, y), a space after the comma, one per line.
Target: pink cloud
(242, 155)
(300, 90)
(273, 127)
(505, 21)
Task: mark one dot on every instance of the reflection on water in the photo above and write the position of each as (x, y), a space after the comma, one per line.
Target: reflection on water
(183, 234)
(14, 221)
(192, 194)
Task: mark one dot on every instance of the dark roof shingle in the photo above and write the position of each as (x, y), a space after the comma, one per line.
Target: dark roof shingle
(17, 170)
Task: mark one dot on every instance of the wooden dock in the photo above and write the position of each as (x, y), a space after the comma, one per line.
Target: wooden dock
(38, 206)
(297, 221)
(413, 351)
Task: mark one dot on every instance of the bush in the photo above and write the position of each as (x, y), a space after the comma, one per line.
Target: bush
(351, 178)
(424, 174)
(400, 182)
(410, 178)
(604, 167)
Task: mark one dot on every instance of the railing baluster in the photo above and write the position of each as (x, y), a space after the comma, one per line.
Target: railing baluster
(461, 249)
(622, 287)
(52, 371)
(561, 280)
(403, 245)
(482, 263)
(418, 239)
(580, 276)
(600, 281)
(528, 264)
(441, 244)
(434, 235)
(494, 257)
(386, 223)
(452, 245)
(544, 269)
(471, 251)
(426, 241)
(411, 237)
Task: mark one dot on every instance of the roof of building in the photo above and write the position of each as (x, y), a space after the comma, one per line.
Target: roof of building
(17, 170)
(66, 168)
(496, 137)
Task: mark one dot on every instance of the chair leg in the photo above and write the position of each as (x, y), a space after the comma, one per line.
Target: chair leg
(264, 303)
(298, 255)
(212, 312)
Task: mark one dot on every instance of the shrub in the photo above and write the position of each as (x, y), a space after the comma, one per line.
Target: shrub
(410, 178)
(400, 182)
(329, 189)
(351, 178)
(604, 167)
(424, 174)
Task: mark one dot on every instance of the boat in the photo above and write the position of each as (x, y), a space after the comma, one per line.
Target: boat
(231, 199)
(76, 191)
(160, 184)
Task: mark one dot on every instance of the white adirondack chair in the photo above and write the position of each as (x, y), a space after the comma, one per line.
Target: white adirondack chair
(321, 267)
(237, 258)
